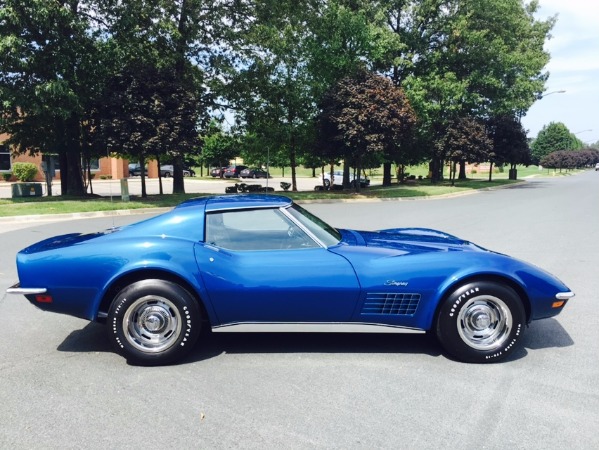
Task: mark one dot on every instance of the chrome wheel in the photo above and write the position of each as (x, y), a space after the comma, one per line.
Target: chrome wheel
(484, 323)
(152, 324)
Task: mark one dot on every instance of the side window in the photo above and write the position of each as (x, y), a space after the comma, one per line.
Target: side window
(251, 230)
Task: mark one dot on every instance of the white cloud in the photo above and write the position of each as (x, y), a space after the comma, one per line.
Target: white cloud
(574, 67)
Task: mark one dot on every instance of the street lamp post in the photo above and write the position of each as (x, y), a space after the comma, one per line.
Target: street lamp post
(540, 96)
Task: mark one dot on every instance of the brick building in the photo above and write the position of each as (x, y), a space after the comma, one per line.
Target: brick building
(108, 167)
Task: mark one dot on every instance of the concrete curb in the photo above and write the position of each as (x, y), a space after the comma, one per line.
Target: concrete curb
(80, 215)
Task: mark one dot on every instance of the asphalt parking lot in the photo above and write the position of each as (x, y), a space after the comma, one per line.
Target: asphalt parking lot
(63, 386)
(192, 185)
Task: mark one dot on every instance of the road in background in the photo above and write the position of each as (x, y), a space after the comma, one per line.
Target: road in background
(63, 387)
(109, 188)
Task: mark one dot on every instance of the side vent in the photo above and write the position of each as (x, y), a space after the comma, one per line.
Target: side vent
(391, 304)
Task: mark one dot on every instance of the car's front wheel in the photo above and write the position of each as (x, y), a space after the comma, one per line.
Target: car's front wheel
(154, 322)
(481, 321)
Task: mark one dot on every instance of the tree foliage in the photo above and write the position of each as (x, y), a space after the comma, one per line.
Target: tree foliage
(218, 146)
(269, 62)
(510, 144)
(570, 159)
(149, 112)
(367, 118)
(465, 140)
(46, 67)
(553, 137)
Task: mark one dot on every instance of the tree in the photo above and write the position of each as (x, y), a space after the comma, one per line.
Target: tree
(271, 92)
(510, 144)
(464, 140)
(570, 159)
(48, 70)
(218, 146)
(455, 58)
(368, 117)
(147, 112)
(186, 38)
(551, 138)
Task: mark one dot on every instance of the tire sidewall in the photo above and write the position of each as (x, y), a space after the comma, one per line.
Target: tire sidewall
(186, 305)
(447, 322)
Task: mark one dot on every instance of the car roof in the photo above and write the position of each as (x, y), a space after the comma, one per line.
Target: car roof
(238, 201)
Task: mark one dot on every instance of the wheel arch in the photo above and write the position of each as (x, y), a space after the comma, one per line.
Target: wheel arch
(493, 278)
(131, 277)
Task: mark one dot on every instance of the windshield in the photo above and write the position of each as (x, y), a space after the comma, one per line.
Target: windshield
(325, 233)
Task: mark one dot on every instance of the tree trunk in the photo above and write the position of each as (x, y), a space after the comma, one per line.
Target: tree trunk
(346, 183)
(462, 175)
(142, 173)
(358, 177)
(181, 46)
(452, 172)
(178, 183)
(387, 174)
(435, 169)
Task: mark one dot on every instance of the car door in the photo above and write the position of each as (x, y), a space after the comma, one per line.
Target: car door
(259, 266)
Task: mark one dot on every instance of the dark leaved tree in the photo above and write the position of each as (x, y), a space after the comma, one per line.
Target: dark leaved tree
(365, 117)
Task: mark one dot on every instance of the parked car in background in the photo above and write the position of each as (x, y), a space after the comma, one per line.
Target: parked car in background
(254, 172)
(596, 167)
(135, 170)
(233, 171)
(338, 179)
(168, 170)
(218, 172)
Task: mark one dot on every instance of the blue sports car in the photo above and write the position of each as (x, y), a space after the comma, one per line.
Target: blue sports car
(260, 263)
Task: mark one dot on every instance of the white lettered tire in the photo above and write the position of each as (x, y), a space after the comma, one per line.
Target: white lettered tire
(154, 322)
(481, 322)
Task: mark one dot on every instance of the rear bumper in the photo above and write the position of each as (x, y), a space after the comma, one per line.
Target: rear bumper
(17, 289)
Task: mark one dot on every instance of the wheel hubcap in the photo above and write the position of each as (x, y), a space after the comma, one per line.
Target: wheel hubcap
(152, 324)
(484, 323)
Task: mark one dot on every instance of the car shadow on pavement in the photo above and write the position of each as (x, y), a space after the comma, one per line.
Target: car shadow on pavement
(214, 344)
(541, 334)
(92, 338)
(547, 333)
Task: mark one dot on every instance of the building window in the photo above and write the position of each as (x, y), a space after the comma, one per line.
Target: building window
(94, 164)
(4, 158)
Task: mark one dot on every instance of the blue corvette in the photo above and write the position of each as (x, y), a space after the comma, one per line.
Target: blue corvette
(260, 263)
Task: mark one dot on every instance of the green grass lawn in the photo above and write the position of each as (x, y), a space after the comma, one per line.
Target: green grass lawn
(423, 188)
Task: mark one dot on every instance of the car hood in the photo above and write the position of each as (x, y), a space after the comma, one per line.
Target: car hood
(408, 240)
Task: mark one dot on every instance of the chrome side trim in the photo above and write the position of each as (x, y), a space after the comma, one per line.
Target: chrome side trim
(564, 295)
(312, 327)
(17, 289)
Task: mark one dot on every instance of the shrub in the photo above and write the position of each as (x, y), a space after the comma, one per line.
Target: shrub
(24, 171)
(7, 176)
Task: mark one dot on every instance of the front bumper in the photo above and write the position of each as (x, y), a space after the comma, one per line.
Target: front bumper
(564, 295)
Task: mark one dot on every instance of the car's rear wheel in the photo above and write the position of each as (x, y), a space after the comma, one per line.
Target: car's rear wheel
(154, 322)
(481, 322)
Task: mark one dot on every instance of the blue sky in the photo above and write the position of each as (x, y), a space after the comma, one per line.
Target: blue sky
(574, 67)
